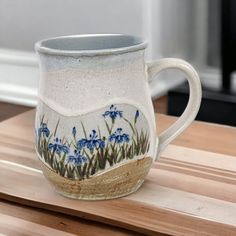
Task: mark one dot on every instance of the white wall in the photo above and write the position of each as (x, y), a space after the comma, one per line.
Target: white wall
(173, 28)
(170, 32)
(24, 22)
(167, 24)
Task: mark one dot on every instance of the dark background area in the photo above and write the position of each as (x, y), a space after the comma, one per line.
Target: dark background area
(217, 106)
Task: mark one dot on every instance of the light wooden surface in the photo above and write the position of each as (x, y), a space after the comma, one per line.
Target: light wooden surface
(11, 110)
(190, 191)
(21, 220)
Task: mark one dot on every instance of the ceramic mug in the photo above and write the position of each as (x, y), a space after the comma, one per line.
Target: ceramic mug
(95, 126)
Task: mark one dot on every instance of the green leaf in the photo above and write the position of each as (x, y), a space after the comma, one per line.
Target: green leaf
(84, 172)
(131, 126)
(55, 131)
(108, 129)
(79, 171)
(42, 118)
(87, 155)
(85, 135)
(99, 133)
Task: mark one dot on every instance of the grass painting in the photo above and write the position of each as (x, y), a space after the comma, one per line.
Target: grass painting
(85, 153)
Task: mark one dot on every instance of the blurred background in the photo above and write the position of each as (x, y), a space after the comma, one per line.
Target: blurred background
(199, 31)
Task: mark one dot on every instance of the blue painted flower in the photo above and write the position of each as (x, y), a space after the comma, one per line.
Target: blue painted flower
(77, 159)
(113, 113)
(136, 116)
(119, 137)
(43, 129)
(74, 131)
(92, 142)
(58, 146)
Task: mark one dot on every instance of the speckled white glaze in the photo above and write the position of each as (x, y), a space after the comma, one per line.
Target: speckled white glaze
(74, 86)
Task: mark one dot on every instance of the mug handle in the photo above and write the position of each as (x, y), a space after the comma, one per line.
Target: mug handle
(194, 101)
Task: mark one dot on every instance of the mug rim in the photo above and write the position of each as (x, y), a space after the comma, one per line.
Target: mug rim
(106, 44)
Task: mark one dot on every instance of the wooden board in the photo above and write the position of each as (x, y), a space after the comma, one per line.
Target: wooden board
(11, 110)
(188, 192)
(21, 220)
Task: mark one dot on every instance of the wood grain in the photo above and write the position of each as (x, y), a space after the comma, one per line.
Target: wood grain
(9, 110)
(45, 220)
(187, 192)
(201, 135)
(160, 105)
(141, 211)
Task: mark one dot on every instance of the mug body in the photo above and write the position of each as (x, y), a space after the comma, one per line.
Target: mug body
(95, 127)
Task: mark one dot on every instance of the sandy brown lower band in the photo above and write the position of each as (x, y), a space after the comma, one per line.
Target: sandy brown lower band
(116, 182)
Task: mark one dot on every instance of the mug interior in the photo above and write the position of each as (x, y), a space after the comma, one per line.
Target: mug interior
(87, 44)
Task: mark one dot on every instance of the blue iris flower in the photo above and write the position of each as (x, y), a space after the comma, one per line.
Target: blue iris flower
(119, 137)
(77, 159)
(43, 129)
(92, 142)
(113, 113)
(136, 116)
(58, 146)
(74, 131)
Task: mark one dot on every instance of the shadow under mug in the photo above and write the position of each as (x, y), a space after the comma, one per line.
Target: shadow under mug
(95, 130)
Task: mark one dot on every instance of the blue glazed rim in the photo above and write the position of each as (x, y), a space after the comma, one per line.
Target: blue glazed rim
(90, 44)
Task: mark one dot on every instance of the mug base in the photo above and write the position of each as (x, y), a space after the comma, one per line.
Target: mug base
(116, 182)
(97, 197)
